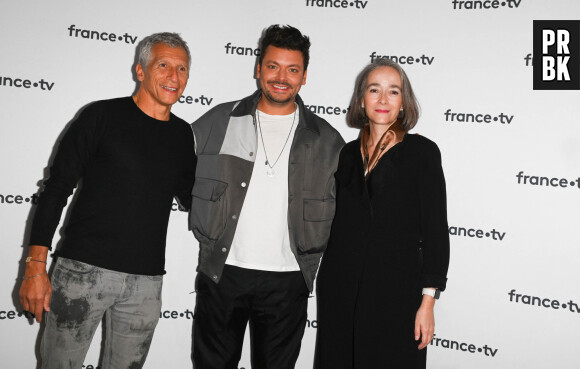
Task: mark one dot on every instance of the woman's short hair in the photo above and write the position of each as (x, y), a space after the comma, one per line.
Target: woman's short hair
(356, 116)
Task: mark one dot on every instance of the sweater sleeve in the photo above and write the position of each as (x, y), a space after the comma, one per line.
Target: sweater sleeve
(74, 154)
(185, 184)
(433, 220)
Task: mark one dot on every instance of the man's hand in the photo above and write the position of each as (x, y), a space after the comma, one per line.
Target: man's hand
(36, 290)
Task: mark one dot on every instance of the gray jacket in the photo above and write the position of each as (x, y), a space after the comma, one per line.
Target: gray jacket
(226, 142)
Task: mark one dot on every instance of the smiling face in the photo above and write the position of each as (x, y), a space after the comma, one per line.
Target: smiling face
(162, 80)
(281, 75)
(382, 99)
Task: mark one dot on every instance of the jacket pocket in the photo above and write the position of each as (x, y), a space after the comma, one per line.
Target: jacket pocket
(318, 216)
(208, 209)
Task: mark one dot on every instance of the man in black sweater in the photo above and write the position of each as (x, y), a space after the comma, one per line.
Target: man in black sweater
(133, 157)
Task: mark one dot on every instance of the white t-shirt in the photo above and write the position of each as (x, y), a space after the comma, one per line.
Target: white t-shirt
(262, 241)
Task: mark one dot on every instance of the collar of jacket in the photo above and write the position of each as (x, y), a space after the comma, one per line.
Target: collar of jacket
(248, 106)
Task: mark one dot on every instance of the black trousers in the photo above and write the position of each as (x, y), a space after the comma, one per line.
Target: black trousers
(273, 303)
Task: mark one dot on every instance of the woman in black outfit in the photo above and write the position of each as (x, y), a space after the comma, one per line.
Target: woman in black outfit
(388, 252)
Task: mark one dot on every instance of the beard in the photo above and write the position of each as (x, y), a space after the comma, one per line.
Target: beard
(276, 100)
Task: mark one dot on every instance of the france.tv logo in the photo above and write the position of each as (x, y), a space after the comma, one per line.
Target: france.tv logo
(556, 55)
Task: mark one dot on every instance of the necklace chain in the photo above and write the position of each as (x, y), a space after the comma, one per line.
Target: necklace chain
(285, 143)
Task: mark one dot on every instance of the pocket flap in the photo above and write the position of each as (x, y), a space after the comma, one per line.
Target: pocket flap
(208, 189)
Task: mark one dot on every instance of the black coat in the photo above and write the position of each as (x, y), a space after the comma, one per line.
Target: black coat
(389, 239)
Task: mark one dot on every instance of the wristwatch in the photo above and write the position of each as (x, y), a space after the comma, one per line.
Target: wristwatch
(435, 293)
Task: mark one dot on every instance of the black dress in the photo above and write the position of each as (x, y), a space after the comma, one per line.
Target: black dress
(389, 239)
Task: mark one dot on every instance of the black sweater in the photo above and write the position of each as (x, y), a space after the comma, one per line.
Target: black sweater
(131, 167)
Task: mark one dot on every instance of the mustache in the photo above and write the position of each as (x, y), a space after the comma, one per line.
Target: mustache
(279, 83)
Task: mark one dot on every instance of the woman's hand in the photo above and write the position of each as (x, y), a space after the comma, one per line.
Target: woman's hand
(425, 322)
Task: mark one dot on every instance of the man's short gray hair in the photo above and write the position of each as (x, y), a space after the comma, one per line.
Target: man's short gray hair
(168, 38)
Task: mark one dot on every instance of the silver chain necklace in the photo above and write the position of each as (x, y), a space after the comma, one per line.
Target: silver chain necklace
(270, 171)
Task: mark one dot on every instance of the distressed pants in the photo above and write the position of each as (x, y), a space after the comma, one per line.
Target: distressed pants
(82, 294)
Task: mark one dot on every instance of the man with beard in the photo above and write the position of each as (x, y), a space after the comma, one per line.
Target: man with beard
(262, 206)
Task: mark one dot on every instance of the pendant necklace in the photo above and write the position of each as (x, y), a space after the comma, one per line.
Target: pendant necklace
(270, 172)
